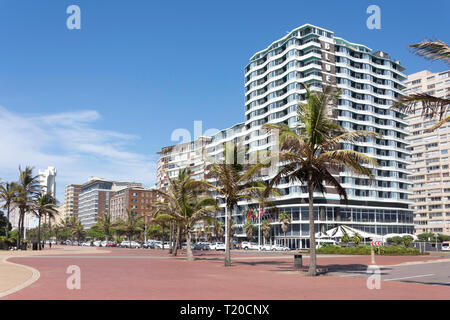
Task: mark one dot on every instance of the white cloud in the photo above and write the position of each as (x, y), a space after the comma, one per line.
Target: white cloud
(70, 142)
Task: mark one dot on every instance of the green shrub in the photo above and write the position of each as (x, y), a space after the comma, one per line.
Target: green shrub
(365, 250)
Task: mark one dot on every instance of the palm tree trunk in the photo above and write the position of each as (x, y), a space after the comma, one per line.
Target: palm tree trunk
(39, 233)
(177, 241)
(7, 224)
(228, 239)
(19, 228)
(189, 254)
(171, 239)
(312, 237)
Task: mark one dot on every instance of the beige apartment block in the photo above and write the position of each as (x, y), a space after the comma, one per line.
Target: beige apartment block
(72, 192)
(429, 157)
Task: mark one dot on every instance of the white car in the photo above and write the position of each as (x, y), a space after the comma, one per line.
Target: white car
(217, 246)
(277, 247)
(104, 243)
(86, 244)
(96, 243)
(249, 245)
(266, 247)
(127, 244)
(160, 245)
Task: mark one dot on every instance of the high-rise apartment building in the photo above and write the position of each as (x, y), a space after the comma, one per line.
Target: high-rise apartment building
(94, 198)
(72, 192)
(140, 201)
(47, 180)
(186, 155)
(370, 82)
(429, 157)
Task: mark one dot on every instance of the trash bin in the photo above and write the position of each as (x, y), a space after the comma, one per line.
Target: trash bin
(298, 260)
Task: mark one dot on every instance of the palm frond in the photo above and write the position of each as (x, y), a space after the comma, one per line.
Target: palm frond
(432, 50)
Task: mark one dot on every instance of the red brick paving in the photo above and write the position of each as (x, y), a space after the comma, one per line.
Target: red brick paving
(252, 276)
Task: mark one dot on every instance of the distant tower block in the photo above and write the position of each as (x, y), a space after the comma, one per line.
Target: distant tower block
(48, 180)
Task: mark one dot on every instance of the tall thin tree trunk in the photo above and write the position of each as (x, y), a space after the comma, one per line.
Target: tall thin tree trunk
(177, 240)
(171, 238)
(39, 233)
(189, 254)
(228, 239)
(312, 236)
(18, 231)
(7, 224)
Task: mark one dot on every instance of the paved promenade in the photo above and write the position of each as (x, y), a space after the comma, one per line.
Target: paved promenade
(119, 273)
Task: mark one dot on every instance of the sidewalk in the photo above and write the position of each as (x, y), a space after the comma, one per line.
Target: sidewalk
(14, 277)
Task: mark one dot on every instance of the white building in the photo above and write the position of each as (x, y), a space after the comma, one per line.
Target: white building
(370, 82)
(48, 180)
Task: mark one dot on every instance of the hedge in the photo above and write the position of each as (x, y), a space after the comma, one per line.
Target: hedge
(365, 250)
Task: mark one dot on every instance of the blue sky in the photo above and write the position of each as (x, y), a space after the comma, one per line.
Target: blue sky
(101, 101)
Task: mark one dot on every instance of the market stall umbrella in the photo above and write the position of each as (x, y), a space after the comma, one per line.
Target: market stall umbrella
(342, 230)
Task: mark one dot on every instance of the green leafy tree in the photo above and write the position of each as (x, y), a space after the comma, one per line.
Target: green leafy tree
(345, 239)
(27, 191)
(131, 226)
(285, 219)
(249, 229)
(234, 181)
(45, 205)
(78, 230)
(313, 151)
(96, 232)
(186, 201)
(356, 238)
(407, 240)
(266, 228)
(105, 223)
(7, 194)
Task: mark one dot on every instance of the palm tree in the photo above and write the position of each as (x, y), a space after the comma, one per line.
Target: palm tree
(430, 106)
(266, 227)
(45, 205)
(106, 224)
(78, 230)
(208, 233)
(313, 151)
(249, 227)
(285, 219)
(356, 238)
(27, 191)
(7, 194)
(262, 196)
(186, 202)
(131, 226)
(219, 229)
(234, 181)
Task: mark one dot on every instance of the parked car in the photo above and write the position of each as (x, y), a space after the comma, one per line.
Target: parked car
(96, 243)
(201, 246)
(446, 246)
(149, 244)
(103, 243)
(217, 246)
(127, 244)
(277, 247)
(160, 245)
(111, 244)
(75, 243)
(249, 245)
(86, 244)
(266, 247)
